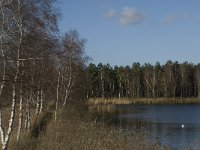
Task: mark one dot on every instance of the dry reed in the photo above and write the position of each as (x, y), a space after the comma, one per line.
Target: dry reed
(116, 101)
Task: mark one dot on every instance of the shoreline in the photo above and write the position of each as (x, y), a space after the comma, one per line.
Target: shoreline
(117, 101)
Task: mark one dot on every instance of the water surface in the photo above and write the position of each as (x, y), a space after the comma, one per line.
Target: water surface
(162, 122)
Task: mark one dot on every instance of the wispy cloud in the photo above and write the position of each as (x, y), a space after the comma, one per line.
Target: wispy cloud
(130, 15)
(171, 18)
(125, 16)
(180, 17)
(110, 13)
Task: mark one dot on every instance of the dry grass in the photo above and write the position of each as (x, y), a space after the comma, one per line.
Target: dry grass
(26, 139)
(29, 141)
(102, 101)
(75, 129)
(75, 132)
(116, 101)
(5, 121)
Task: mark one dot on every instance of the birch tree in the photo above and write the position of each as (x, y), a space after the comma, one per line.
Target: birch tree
(72, 58)
(20, 21)
(16, 39)
(150, 79)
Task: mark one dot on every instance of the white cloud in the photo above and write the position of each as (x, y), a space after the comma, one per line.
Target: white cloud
(171, 18)
(130, 15)
(110, 13)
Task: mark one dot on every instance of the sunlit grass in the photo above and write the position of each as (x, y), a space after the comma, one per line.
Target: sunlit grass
(116, 101)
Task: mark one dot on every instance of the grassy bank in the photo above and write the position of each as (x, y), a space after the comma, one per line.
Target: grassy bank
(76, 129)
(116, 101)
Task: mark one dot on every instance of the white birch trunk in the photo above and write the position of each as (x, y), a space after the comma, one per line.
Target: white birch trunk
(1, 130)
(165, 87)
(27, 117)
(154, 84)
(41, 102)
(69, 85)
(18, 20)
(20, 114)
(66, 96)
(120, 86)
(68, 90)
(12, 117)
(3, 81)
(4, 71)
(27, 114)
(37, 104)
(57, 95)
(128, 89)
(29, 99)
(102, 85)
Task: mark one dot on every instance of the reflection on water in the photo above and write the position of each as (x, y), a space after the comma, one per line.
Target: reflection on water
(163, 122)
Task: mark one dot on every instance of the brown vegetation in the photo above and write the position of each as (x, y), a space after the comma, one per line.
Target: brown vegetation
(76, 130)
(116, 101)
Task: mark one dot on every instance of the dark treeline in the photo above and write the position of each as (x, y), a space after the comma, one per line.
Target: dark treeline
(171, 80)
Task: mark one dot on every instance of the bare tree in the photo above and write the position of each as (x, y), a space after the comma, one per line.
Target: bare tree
(71, 59)
(11, 11)
(26, 30)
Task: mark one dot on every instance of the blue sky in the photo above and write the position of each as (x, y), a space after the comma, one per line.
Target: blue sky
(121, 32)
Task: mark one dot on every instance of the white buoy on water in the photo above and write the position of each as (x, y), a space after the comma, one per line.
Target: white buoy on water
(182, 126)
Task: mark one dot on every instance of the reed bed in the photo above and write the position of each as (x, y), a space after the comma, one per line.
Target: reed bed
(117, 101)
(77, 130)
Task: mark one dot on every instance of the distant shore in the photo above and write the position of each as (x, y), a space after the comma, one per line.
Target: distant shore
(118, 101)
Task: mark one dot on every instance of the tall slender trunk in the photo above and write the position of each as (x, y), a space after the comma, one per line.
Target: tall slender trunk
(138, 91)
(20, 104)
(165, 87)
(133, 88)
(27, 118)
(1, 130)
(120, 86)
(37, 103)
(12, 115)
(3, 77)
(128, 89)
(68, 91)
(29, 99)
(66, 96)
(20, 113)
(154, 84)
(57, 95)
(102, 85)
(174, 92)
(110, 86)
(181, 90)
(113, 89)
(69, 85)
(41, 101)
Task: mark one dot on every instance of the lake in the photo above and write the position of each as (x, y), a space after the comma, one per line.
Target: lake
(162, 123)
